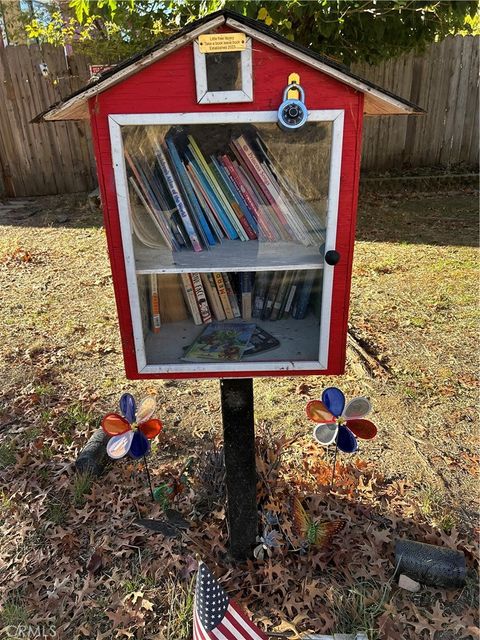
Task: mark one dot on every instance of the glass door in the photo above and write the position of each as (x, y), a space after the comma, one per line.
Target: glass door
(225, 225)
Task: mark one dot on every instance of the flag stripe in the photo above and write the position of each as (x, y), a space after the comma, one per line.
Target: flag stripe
(238, 616)
(199, 632)
(233, 628)
(218, 633)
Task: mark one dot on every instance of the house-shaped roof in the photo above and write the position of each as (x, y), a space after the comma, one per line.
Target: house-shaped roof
(378, 101)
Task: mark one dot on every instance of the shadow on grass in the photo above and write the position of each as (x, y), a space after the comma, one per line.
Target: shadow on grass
(441, 219)
(74, 211)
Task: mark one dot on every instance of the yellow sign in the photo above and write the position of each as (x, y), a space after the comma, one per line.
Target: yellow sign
(220, 42)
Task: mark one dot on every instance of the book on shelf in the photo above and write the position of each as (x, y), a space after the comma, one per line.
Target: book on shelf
(288, 298)
(177, 198)
(262, 280)
(222, 292)
(202, 303)
(154, 306)
(223, 202)
(245, 280)
(193, 201)
(271, 295)
(260, 341)
(190, 196)
(232, 298)
(190, 298)
(212, 296)
(281, 295)
(302, 298)
(220, 341)
(220, 296)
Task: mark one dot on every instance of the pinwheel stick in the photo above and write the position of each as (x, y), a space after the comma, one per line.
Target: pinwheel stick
(148, 477)
(334, 464)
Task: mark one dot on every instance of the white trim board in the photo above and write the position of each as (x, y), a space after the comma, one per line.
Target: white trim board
(376, 101)
(61, 111)
(204, 96)
(121, 184)
(377, 95)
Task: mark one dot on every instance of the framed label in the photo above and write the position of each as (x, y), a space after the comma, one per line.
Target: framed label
(221, 42)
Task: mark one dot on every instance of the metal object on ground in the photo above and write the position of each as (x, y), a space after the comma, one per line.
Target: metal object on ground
(429, 564)
(93, 458)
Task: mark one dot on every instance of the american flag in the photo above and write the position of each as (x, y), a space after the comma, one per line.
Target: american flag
(216, 616)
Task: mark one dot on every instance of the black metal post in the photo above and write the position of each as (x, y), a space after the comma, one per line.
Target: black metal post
(239, 447)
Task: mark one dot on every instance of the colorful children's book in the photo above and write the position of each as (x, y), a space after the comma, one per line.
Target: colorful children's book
(220, 342)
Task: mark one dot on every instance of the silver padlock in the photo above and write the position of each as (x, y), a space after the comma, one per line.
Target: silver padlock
(292, 114)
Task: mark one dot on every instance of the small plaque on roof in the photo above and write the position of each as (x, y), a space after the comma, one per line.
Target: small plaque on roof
(220, 42)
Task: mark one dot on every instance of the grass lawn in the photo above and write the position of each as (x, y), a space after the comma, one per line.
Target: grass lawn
(413, 350)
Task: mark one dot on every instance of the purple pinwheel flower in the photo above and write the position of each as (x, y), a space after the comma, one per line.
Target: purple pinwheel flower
(340, 422)
(132, 431)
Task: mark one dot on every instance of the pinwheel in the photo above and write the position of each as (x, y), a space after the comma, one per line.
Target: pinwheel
(132, 431)
(340, 423)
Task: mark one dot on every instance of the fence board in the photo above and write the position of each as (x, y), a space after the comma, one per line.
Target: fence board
(47, 158)
(56, 157)
(444, 81)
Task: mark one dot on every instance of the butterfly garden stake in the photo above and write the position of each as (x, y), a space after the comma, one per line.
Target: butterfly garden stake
(132, 431)
(314, 532)
(340, 422)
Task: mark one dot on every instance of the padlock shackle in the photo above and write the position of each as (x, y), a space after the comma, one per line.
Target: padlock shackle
(294, 85)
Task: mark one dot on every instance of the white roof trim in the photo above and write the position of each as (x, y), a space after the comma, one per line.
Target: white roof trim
(321, 66)
(376, 101)
(61, 111)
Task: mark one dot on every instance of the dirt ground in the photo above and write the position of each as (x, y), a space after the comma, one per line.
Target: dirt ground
(413, 350)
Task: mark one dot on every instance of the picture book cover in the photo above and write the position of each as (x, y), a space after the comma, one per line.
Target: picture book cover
(221, 342)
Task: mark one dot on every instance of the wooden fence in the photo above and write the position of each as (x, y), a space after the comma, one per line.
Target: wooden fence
(47, 158)
(56, 157)
(444, 81)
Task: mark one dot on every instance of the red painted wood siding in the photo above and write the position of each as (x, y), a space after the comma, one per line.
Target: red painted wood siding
(168, 86)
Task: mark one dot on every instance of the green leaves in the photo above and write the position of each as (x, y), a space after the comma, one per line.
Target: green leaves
(110, 30)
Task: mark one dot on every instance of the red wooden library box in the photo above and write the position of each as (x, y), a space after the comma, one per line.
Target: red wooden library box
(223, 228)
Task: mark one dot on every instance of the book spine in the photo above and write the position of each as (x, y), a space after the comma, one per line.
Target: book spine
(222, 292)
(155, 307)
(213, 217)
(212, 199)
(190, 195)
(303, 298)
(271, 295)
(291, 296)
(172, 185)
(282, 292)
(212, 296)
(244, 222)
(261, 177)
(234, 200)
(222, 196)
(246, 288)
(201, 298)
(190, 298)
(236, 195)
(232, 298)
(249, 201)
(259, 293)
(221, 200)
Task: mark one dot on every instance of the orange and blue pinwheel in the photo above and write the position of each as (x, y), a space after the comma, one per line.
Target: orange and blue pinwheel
(131, 431)
(340, 423)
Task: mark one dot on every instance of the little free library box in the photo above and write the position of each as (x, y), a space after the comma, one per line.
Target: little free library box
(228, 161)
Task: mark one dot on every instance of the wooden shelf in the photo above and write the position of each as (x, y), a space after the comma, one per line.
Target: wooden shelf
(299, 340)
(230, 255)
